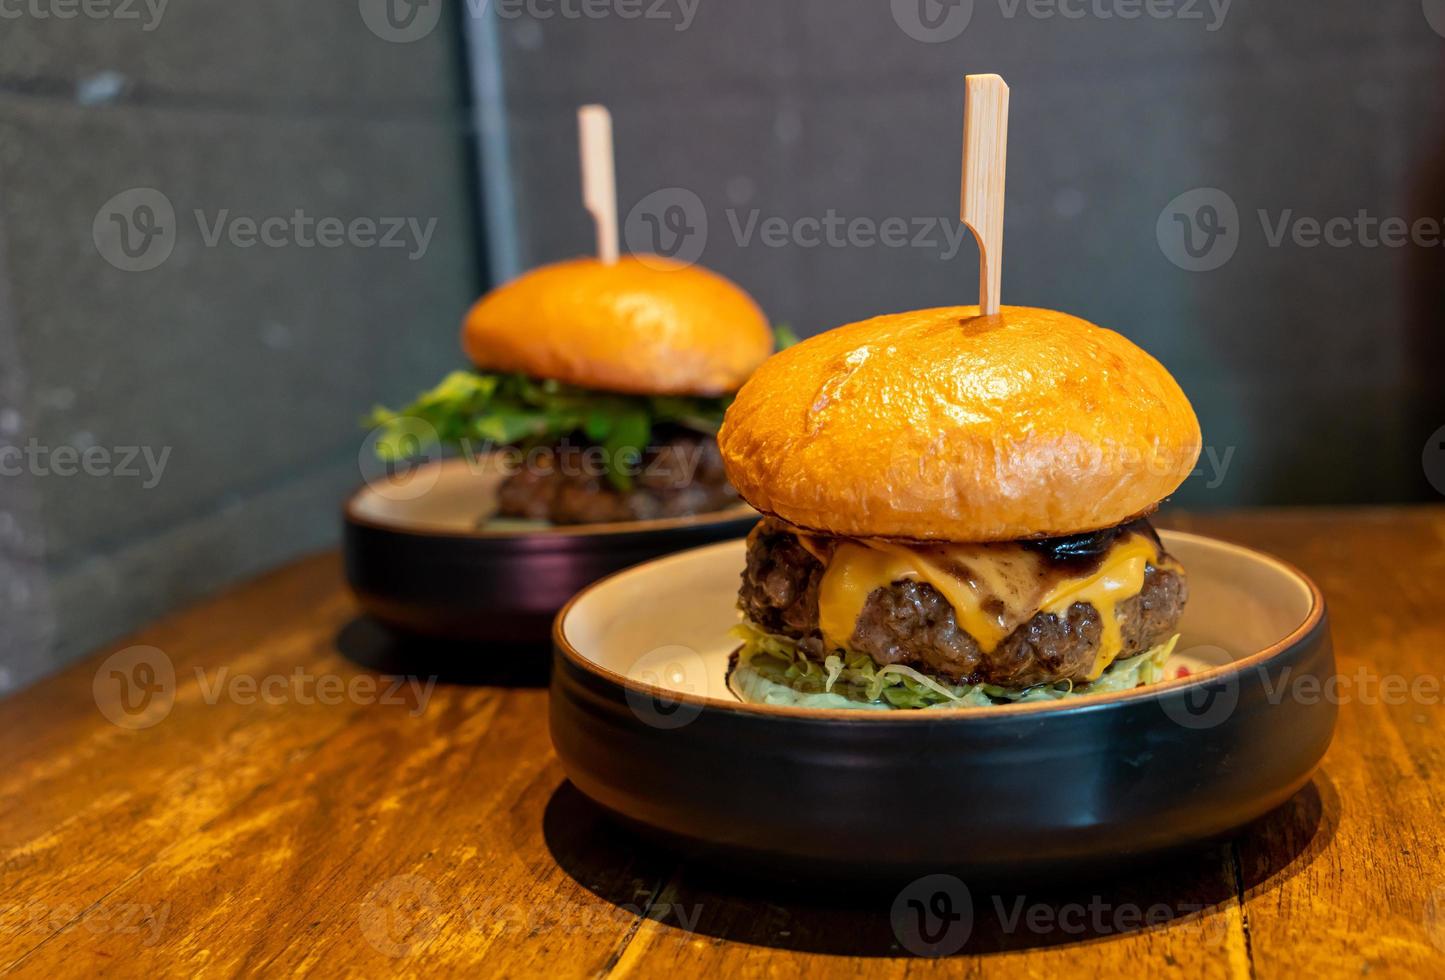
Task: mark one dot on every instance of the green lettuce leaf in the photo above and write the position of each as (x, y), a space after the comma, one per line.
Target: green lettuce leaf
(476, 412)
(771, 670)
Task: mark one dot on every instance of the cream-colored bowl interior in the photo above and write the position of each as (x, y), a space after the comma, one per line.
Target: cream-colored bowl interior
(459, 496)
(666, 623)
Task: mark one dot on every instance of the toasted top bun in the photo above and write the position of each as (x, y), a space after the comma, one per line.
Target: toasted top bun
(643, 326)
(946, 425)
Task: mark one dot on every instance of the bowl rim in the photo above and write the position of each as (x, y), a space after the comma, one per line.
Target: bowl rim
(1151, 692)
(351, 514)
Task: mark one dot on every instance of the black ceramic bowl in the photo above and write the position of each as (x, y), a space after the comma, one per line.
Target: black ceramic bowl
(644, 725)
(425, 555)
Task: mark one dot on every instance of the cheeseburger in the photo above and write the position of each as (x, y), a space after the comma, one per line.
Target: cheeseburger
(957, 513)
(606, 383)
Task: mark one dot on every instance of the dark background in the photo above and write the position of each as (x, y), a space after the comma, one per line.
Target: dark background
(1314, 370)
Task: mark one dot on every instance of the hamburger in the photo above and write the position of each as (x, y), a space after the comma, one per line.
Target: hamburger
(956, 513)
(606, 383)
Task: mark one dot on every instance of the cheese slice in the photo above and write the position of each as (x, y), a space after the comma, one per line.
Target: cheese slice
(993, 589)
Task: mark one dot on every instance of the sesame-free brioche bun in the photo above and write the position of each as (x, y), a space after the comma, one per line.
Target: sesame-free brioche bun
(946, 425)
(645, 326)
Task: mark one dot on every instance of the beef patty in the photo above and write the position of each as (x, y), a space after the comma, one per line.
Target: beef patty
(911, 623)
(681, 476)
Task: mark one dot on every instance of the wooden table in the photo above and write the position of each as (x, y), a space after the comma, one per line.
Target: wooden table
(262, 829)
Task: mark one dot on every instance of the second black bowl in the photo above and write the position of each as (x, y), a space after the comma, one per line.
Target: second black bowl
(426, 556)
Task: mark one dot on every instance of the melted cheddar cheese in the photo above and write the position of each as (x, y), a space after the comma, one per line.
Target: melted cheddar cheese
(994, 589)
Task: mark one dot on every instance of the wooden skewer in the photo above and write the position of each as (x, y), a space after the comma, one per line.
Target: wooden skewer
(599, 178)
(985, 162)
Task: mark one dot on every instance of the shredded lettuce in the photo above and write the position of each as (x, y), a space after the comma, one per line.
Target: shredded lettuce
(771, 670)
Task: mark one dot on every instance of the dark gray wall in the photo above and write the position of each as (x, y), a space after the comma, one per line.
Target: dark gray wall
(249, 366)
(1316, 368)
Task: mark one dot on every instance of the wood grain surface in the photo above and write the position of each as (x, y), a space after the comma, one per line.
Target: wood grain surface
(286, 809)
